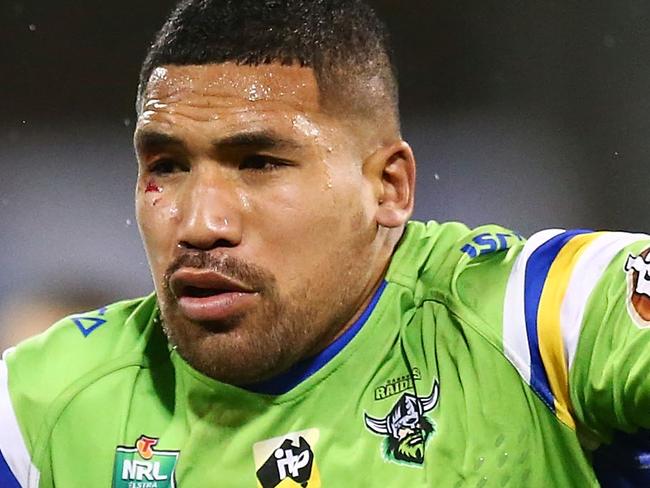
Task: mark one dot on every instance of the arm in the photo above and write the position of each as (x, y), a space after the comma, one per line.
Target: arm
(16, 468)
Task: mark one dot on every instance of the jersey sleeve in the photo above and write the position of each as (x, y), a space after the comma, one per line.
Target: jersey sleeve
(43, 375)
(16, 467)
(609, 375)
(576, 325)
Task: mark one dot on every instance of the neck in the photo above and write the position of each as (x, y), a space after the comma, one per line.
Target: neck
(389, 243)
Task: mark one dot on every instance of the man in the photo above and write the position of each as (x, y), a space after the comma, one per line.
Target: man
(303, 332)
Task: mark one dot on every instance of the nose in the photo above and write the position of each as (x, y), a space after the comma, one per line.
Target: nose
(211, 214)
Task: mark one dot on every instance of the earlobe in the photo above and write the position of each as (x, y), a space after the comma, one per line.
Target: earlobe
(394, 176)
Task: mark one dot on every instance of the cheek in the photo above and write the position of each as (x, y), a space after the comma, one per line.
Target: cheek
(152, 187)
(155, 200)
(295, 212)
(309, 224)
(156, 212)
(153, 192)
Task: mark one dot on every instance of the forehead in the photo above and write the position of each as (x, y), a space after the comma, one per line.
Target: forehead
(231, 85)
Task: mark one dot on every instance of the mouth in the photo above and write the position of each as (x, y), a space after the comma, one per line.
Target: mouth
(208, 296)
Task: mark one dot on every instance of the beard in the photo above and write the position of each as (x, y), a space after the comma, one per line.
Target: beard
(265, 339)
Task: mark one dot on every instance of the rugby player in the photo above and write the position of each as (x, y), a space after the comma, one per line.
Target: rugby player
(303, 331)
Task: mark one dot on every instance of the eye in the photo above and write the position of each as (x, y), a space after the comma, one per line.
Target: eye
(162, 167)
(259, 162)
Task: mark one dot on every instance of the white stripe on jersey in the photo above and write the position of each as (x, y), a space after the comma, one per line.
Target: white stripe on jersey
(12, 444)
(585, 276)
(515, 339)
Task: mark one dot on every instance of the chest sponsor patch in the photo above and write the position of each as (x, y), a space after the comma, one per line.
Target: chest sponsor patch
(406, 429)
(638, 303)
(287, 461)
(143, 466)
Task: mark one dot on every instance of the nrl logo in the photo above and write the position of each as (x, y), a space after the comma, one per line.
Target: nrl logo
(638, 270)
(142, 466)
(406, 429)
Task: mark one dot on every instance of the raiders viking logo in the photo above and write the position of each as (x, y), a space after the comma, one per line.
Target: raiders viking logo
(638, 269)
(406, 428)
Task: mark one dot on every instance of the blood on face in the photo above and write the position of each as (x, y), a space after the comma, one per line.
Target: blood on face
(152, 187)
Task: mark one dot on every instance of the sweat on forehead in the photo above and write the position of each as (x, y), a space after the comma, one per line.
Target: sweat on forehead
(292, 85)
(360, 105)
(342, 41)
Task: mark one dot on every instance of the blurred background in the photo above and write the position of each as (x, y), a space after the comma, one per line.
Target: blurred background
(529, 114)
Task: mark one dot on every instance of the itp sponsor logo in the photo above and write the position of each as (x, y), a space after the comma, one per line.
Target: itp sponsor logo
(288, 460)
(290, 464)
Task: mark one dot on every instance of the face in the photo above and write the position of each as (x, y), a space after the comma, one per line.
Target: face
(256, 215)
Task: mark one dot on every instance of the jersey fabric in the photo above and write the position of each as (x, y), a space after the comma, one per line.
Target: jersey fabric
(482, 361)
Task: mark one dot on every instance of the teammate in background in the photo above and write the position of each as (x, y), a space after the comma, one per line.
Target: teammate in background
(303, 332)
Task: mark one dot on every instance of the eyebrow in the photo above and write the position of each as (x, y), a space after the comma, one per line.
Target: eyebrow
(149, 140)
(265, 139)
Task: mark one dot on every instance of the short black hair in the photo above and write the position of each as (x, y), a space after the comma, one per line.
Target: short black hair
(343, 41)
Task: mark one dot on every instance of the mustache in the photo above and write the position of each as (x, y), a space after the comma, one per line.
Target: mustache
(250, 275)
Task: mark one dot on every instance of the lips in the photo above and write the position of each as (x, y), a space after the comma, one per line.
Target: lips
(205, 295)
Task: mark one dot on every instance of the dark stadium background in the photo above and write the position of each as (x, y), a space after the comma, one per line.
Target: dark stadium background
(530, 114)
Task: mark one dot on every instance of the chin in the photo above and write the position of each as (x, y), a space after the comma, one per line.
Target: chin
(237, 351)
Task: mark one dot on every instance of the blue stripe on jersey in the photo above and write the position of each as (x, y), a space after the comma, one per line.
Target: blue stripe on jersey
(303, 370)
(7, 478)
(537, 268)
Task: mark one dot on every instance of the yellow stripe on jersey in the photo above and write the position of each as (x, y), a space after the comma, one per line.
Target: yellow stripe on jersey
(549, 323)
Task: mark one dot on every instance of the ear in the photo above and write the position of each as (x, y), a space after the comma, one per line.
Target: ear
(391, 169)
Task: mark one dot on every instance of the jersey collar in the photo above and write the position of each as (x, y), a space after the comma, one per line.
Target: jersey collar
(299, 372)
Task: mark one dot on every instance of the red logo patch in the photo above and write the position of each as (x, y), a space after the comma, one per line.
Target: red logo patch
(145, 446)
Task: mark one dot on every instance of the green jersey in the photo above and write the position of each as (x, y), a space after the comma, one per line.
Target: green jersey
(482, 360)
